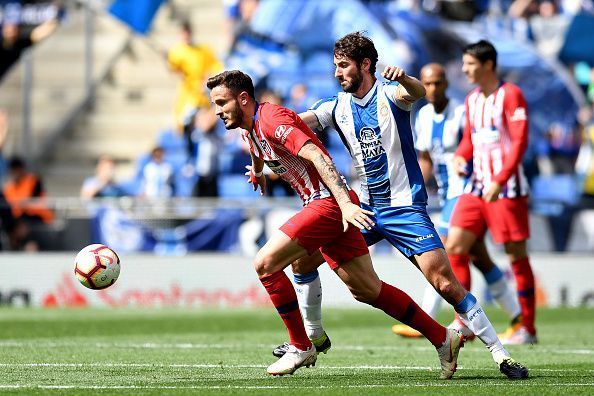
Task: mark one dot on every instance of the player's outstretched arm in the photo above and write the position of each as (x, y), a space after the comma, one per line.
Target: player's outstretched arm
(351, 213)
(409, 90)
(310, 119)
(255, 174)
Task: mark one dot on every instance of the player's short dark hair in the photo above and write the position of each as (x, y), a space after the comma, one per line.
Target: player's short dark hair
(235, 80)
(483, 51)
(357, 46)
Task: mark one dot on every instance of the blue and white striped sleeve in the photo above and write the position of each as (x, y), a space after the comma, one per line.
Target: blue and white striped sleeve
(323, 109)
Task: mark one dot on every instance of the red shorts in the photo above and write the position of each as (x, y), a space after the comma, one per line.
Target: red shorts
(319, 226)
(506, 218)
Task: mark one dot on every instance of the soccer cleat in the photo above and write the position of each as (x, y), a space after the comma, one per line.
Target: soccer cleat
(406, 331)
(448, 353)
(461, 327)
(514, 326)
(292, 360)
(520, 337)
(321, 343)
(512, 369)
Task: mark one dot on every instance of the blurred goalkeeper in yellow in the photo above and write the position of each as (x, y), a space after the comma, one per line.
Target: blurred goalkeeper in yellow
(195, 63)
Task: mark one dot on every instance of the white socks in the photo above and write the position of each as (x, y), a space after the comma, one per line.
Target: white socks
(473, 316)
(309, 296)
(431, 301)
(505, 297)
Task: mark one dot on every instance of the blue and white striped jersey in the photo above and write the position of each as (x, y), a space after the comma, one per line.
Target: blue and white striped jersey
(377, 132)
(439, 135)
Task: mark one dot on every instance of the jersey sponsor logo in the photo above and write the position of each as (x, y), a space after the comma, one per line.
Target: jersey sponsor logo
(276, 167)
(343, 119)
(266, 147)
(282, 132)
(519, 115)
(371, 146)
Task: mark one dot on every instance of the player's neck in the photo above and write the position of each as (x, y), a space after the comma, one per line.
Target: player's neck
(249, 116)
(489, 85)
(440, 106)
(365, 87)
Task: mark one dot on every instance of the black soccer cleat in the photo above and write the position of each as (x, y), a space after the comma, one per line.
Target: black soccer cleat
(512, 369)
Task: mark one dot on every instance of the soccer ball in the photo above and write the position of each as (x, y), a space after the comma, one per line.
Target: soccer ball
(97, 266)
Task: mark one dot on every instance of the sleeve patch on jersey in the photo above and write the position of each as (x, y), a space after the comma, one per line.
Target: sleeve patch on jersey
(282, 131)
(519, 115)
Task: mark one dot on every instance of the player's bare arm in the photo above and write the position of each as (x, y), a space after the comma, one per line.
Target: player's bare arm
(409, 90)
(351, 213)
(255, 174)
(310, 119)
(426, 165)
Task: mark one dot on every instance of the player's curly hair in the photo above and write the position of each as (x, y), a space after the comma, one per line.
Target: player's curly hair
(483, 51)
(236, 80)
(357, 46)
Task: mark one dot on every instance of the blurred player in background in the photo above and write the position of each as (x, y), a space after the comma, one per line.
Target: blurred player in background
(373, 121)
(438, 128)
(329, 222)
(194, 63)
(495, 139)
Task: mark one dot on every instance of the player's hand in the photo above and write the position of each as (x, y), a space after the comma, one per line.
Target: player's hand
(393, 73)
(493, 192)
(460, 166)
(256, 181)
(357, 216)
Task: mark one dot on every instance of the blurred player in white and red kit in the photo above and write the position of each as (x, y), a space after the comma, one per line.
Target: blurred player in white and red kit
(282, 141)
(495, 137)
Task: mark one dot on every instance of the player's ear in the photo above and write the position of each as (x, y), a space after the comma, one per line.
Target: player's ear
(366, 64)
(243, 98)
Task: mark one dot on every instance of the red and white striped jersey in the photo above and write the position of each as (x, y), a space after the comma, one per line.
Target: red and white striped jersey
(495, 138)
(277, 137)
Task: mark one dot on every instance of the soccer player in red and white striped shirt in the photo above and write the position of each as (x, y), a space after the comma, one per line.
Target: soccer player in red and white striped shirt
(495, 139)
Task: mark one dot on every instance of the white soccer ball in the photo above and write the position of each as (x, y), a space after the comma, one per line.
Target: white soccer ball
(97, 266)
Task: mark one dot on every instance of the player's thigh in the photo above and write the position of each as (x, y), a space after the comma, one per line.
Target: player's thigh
(409, 229)
(307, 264)
(467, 224)
(507, 219)
(360, 277)
(278, 252)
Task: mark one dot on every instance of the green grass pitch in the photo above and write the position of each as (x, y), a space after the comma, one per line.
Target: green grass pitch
(227, 351)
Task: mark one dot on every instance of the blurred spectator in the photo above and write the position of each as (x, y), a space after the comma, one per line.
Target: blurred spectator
(194, 63)
(548, 29)
(157, 176)
(206, 146)
(22, 187)
(3, 136)
(7, 221)
(14, 42)
(102, 184)
(584, 166)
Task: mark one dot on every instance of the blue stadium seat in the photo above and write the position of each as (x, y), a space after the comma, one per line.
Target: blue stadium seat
(235, 186)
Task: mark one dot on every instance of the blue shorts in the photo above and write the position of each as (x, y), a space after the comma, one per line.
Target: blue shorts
(408, 228)
(446, 214)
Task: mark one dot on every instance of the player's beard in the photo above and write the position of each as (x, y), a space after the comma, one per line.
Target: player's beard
(355, 83)
(234, 119)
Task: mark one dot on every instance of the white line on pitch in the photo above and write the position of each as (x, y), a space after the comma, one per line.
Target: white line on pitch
(288, 386)
(258, 366)
(152, 345)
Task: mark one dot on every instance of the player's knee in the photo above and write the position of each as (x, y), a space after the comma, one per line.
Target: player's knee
(455, 248)
(444, 287)
(264, 265)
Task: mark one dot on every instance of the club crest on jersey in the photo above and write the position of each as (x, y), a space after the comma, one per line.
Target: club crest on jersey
(281, 132)
(370, 144)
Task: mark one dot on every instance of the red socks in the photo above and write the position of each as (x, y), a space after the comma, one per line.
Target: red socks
(283, 297)
(401, 307)
(525, 284)
(461, 267)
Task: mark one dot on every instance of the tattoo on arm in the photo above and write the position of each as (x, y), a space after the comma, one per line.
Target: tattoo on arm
(328, 172)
